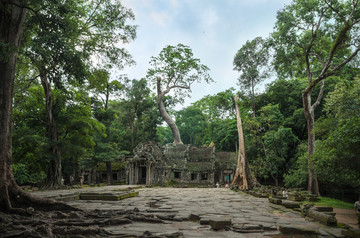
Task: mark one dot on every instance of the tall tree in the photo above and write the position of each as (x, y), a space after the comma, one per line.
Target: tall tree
(103, 88)
(251, 61)
(243, 178)
(12, 197)
(61, 38)
(315, 39)
(11, 22)
(339, 138)
(137, 110)
(175, 69)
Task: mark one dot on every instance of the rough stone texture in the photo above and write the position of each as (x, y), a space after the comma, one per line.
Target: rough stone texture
(352, 233)
(108, 196)
(312, 198)
(295, 197)
(219, 223)
(250, 216)
(153, 164)
(324, 218)
(194, 217)
(290, 204)
(323, 209)
(293, 230)
(275, 201)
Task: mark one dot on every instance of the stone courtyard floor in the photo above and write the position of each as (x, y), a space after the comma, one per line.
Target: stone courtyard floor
(250, 216)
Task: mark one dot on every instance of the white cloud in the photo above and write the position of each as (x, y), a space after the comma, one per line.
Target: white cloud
(174, 3)
(161, 18)
(209, 18)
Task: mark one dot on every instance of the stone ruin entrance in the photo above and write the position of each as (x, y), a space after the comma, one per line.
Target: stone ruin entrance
(147, 165)
(142, 174)
(153, 164)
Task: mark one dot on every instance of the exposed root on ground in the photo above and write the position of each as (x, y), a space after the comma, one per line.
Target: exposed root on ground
(74, 223)
(14, 199)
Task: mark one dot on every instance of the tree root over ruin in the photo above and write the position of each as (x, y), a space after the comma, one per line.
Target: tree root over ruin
(14, 199)
(74, 223)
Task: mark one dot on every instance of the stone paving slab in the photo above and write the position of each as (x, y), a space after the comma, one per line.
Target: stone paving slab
(244, 211)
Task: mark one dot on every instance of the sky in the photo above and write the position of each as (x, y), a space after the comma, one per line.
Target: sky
(214, 29)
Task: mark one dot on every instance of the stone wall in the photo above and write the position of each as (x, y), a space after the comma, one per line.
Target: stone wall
(180, 164)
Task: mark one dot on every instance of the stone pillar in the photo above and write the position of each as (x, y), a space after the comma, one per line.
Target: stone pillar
(148, 174)
(136, 174)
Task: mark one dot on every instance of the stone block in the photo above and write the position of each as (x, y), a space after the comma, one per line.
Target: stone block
(247, 228)
(204, 221)
(108, 196)
(295, 230)
(290, 204)
(295, 197)
(312, 198)
(275, 201)
(194, 217)
(67, 197)
(280, 197)
(351, 233)
(322, 217)
(323, 209)
(219, 223)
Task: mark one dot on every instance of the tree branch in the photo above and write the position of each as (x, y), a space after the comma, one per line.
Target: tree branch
(320, 95)
(334, 10)
(307, 54)
(30, 82)
(339, 66)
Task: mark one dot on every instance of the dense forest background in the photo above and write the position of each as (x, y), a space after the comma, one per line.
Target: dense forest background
(68, 108)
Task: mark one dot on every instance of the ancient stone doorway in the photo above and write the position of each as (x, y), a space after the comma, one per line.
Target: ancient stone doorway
(142, 175)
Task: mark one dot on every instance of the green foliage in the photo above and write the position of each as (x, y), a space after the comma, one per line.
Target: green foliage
(337, 152)
(294, 30)
(177, 69)
(24, 176)
(331, 202)
(220, 124)
(138, 113)
(191, 123)
(251, 61)
(297, 176)
(164, 134)
(218, 106)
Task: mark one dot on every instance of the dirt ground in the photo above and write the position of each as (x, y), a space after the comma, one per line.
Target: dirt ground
(346, 216)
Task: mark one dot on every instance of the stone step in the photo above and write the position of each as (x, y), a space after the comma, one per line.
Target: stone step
(115, 196)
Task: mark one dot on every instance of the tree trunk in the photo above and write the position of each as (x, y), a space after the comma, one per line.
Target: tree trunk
(93, 175)
(54, 175)
(132, 132)
(12, 197)
(243, 179)
(309, 112)
(166, 116)
(253, 98)
(109, 172)
(11, 21)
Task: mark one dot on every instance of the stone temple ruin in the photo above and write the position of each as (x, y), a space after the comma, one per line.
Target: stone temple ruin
(153, 164)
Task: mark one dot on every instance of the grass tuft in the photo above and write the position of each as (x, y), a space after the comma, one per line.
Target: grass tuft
(331, 202)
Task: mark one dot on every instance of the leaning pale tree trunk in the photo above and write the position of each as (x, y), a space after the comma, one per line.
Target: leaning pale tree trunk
(167, 118)
(12, 197)
(243, 179)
